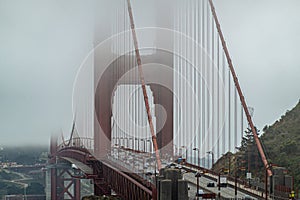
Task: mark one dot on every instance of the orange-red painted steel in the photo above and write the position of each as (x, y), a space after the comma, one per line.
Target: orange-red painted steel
(105, 176)
(237, 85)
(142, 79)
(126, 186)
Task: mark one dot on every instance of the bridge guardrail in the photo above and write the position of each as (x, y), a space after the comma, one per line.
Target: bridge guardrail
(80, 142)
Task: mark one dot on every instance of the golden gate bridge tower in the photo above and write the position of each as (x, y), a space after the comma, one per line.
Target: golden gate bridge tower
(158, 87)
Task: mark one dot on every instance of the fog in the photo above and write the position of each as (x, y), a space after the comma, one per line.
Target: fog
(43, 44)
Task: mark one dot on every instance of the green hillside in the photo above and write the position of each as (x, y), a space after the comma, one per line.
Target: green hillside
(282, 142)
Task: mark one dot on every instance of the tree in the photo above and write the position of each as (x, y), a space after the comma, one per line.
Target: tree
(12, 189)
(35, 188)
(248, 154)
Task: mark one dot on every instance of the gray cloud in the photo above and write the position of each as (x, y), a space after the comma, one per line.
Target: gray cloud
(264, 39)
(44, 42)
(42, 45)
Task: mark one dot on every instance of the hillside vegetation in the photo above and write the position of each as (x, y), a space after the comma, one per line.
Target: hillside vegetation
(282, 142)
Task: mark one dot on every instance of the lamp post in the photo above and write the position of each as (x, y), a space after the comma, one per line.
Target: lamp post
(212, 158)
(197, 175)
(235, 180)
(219, 185)
(198, 150)
(149, 145)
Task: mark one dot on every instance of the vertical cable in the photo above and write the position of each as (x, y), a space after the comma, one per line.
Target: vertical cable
(115, 68)
(208, 81)
(185, 73)
(129, 102)
(117, 45)
(116, 72)
(192, 138)
(141, 75)
(229, 112)
(190, 77)
(242, 123)
(135, 93)
(178, 124)
(175, 82)
(238, 88)
(116, 101)
(187, 76)
(203, 86)
(202, 82)
(198, 84)
(124, 102)
(174, 78)
(194, 91)
(117, 62)
(129, 65)
(137, 106)
(213, 86)
(86, 119)
(181, 111)
(235, 120)
(186, 100)
(218, 99)
(224, 123)
(126, 63)
(195, 127)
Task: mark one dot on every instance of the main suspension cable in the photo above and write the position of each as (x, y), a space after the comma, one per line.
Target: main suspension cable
(142, 79)
(237, 85)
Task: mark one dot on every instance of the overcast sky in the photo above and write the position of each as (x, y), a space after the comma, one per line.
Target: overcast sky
(42, 44)
(264, 41)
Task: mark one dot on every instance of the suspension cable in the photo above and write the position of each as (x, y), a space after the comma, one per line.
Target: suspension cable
(237, 85)
(142, 79)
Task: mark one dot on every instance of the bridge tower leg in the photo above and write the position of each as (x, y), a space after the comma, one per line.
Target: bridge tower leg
(77, 185)
(68, 186)
(53, 170)
(104, 91)
(53, 186)
(100, 186)
(60, 176)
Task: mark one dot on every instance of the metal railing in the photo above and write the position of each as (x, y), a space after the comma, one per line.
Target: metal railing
(79, 142)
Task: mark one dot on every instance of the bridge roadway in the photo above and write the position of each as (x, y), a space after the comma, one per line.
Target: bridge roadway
(227, 192)
(242, 189)
(140, 163)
